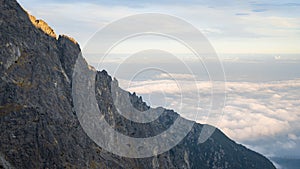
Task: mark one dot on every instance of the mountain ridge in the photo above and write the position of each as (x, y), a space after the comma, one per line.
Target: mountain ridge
(38, 124)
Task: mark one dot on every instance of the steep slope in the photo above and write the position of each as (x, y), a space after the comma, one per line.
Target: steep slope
(38, 124)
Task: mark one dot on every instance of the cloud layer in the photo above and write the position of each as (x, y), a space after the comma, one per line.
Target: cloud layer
(265, 116)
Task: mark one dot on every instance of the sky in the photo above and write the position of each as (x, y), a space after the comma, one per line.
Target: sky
(258, 45)
(231, 26)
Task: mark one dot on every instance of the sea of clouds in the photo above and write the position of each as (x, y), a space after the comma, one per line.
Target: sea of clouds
(261, 109)
(263, 115)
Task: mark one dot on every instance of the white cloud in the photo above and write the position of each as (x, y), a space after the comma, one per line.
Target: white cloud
(293, 137)
(176, 76)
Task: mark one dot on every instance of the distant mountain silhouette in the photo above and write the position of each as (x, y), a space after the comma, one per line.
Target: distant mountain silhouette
(38, 124)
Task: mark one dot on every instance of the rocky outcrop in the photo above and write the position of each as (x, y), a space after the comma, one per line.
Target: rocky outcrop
(40, 24)
(39, 127)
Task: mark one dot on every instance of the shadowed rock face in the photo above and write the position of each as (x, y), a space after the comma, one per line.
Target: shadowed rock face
(39, 127)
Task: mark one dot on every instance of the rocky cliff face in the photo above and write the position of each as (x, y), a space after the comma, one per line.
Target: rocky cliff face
(38, 124)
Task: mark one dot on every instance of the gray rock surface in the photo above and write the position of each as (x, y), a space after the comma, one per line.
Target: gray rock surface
(39, 127)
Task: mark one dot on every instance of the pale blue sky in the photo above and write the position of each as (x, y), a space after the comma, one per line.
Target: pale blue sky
(231, 26)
